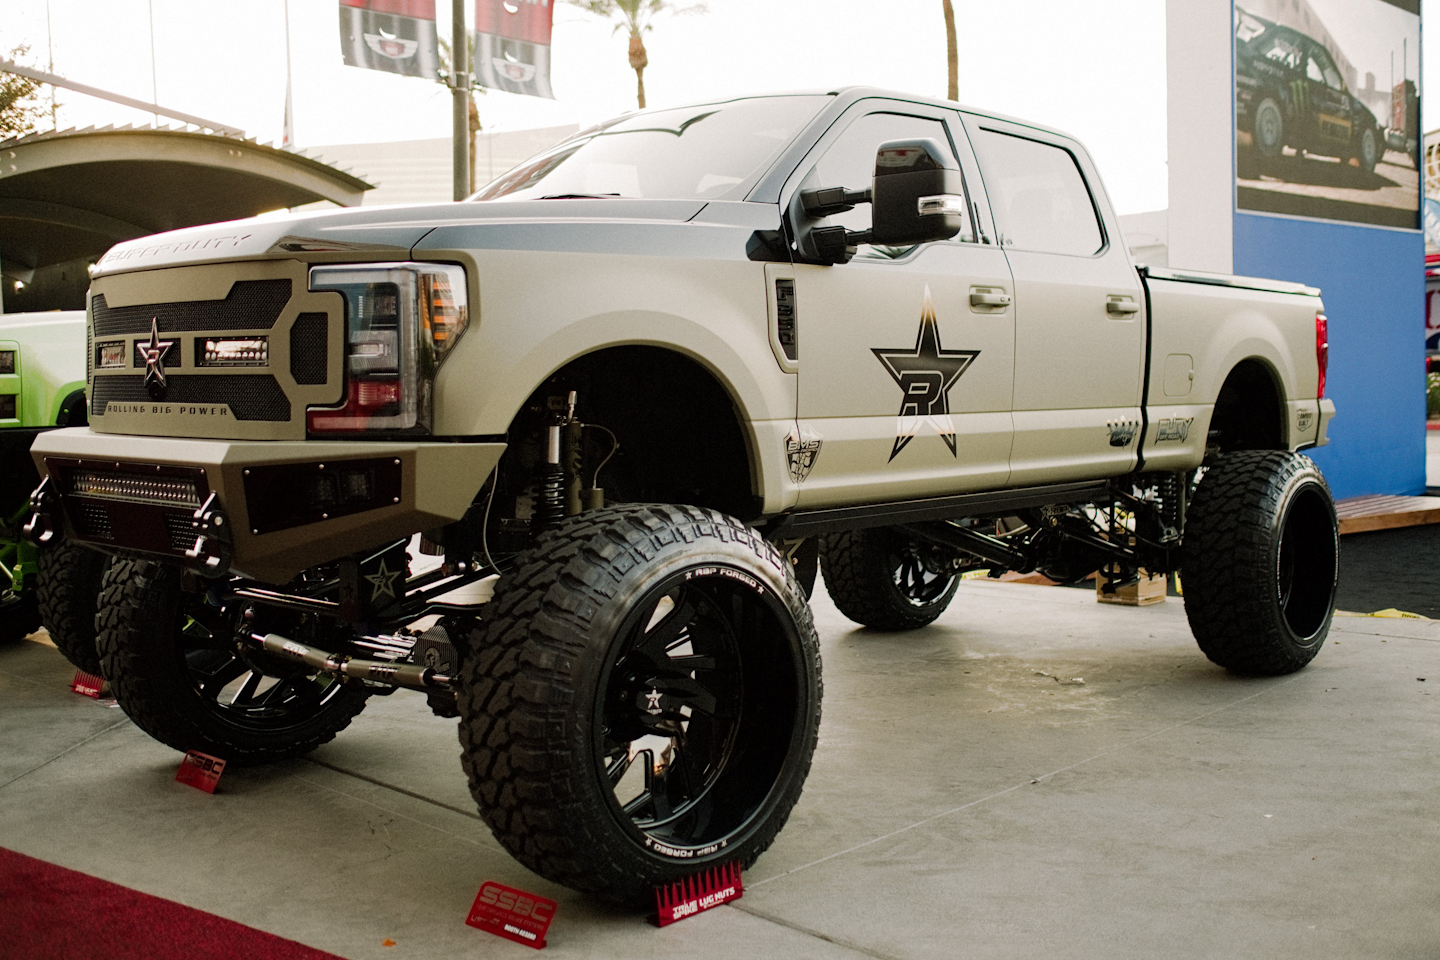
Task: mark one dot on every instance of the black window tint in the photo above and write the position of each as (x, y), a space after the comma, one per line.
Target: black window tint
(850, 162)
(1038, 196)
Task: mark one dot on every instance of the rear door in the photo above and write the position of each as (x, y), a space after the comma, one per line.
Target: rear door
(906, 354)
(1080, 308)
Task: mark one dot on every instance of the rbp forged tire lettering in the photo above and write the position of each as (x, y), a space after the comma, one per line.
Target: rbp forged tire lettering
(1260, 562)
(534, 699)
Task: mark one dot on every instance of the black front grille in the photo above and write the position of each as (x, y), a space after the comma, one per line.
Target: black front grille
(251, 304)
(95, 522)
(249, 397)
(181, 528)
(308, 348)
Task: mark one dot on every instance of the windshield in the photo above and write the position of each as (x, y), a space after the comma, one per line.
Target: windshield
(695, 153)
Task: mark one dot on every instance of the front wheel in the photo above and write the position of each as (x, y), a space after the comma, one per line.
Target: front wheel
(176, 671)
(643, 699)
(68, 588)
(1269, 129)
(883, 579)
(1260, 562)
(1369, 152)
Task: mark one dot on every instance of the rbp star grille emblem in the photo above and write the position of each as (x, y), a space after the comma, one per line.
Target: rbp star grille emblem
(925, 375)
(153, 354)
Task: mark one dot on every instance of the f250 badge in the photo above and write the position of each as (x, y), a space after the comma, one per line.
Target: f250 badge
(1176, 429)
(925, 376)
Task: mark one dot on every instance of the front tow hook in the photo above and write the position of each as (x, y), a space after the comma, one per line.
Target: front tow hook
(43, 528)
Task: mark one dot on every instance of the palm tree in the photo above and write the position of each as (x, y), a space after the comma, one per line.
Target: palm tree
(636, 16)
(951, 50)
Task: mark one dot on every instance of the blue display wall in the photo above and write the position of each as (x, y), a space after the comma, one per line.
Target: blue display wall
(1373, 285)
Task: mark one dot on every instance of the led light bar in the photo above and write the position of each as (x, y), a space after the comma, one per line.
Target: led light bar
(7, 406)
(232, 352)
(110, 354)
(114, 486)
(7, 362)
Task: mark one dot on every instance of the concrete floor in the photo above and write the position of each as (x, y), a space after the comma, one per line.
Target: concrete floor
(970, 797)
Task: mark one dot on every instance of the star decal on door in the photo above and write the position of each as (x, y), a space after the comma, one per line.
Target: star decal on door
(925, 376)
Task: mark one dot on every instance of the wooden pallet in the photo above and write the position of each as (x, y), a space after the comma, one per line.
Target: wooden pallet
(1362, 514)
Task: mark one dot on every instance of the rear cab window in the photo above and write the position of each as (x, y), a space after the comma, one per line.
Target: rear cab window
(1038, 196)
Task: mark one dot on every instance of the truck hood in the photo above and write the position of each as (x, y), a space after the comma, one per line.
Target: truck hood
(369, 233)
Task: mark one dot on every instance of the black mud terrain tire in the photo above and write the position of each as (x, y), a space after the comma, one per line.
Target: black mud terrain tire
(185, 685)
(1260, 562)
(883, 579)
(642, 701)
(68, 589)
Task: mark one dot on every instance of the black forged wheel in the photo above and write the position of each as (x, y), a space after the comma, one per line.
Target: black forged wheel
(1260, 562)
(175, 672)
(68, 588)
(883, 579)
(643, 700)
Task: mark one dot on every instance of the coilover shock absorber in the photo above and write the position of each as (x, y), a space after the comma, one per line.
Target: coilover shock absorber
(550, 476)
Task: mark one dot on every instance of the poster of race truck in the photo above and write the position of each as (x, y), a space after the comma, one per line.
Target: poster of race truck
(1327, 110)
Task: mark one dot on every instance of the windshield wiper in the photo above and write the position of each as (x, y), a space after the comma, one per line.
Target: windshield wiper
(578, 196)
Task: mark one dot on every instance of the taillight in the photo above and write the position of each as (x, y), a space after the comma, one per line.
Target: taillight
(1322, 351)
(401, 320)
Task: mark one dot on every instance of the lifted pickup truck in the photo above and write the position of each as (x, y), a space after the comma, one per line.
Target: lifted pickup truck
(631, 395)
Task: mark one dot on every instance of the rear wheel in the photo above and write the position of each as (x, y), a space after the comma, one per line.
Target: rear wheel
(883, 579)
(176, 671)
(643, 700)
(1260, 562)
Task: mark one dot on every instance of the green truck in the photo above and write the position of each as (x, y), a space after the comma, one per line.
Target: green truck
(42, 386)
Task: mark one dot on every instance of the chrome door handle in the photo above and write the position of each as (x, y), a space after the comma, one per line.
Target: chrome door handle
(978, 299)
(1121, 306)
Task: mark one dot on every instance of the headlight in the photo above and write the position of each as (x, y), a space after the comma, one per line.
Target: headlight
(401, 321)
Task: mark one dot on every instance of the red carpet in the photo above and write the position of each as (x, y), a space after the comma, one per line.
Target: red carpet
(50, 913)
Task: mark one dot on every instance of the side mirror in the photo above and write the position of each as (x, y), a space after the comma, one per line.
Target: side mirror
(918, 194)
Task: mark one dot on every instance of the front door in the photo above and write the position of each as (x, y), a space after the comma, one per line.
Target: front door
(906, 354)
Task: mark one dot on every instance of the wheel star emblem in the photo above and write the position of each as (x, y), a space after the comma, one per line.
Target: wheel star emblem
(652, 701)
(382, 582)
(153, 354)
(925, 376)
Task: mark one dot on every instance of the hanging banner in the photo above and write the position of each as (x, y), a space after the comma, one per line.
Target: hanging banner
(397, 36)
(512, 45)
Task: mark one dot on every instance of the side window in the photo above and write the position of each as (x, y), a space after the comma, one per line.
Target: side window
(1327, 66)
(1038, 195)
(850, 162)
(1312, 70)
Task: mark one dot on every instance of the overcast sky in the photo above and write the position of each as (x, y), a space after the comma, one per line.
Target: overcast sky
(1094, 68)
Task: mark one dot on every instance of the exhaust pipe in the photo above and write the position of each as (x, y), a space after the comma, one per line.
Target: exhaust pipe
(407, 675)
